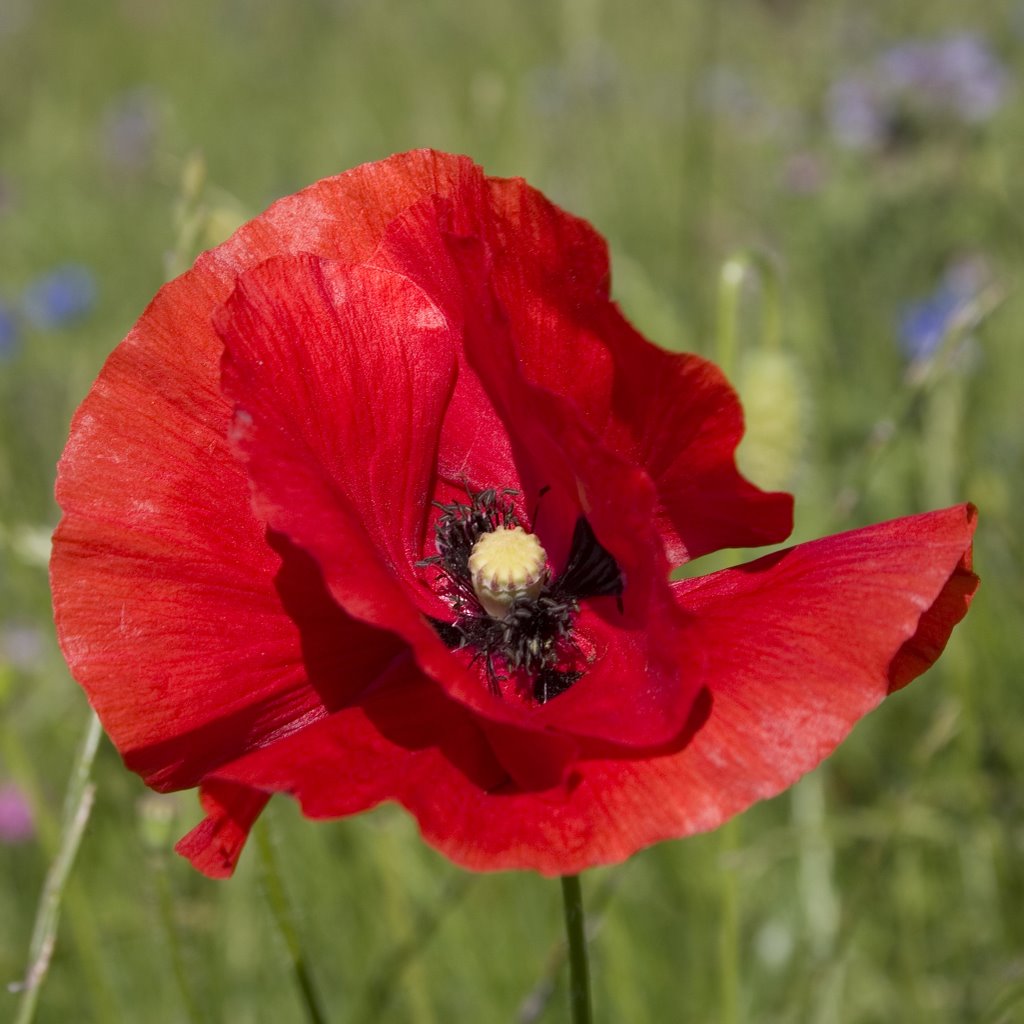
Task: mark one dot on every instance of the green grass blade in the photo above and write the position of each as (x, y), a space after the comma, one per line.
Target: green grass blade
(77, 808)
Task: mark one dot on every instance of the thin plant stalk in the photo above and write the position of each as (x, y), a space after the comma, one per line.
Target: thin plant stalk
(728, 926)
(75, 907)
(698, 152)
(165, 898)
(535, 1003)
(396, 909)
(579, 970)
(284, 919)
(382, 986)
(77, 808)
(730, 286)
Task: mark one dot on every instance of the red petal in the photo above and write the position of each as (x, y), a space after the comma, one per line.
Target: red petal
(343, 217)
(635, 692)
(798, 647)
(215, 844)
(163, 584)
(341, 375)
(673, 415)
(550, 272)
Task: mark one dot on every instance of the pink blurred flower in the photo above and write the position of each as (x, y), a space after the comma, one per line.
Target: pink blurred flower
(16, 822)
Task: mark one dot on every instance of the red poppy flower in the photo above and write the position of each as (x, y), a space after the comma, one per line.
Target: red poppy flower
(379, 502)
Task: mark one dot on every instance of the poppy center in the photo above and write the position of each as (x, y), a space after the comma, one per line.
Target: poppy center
(509, 610)
(506, 565)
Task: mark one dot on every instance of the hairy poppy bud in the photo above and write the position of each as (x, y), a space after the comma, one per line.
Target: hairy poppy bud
(777, 411)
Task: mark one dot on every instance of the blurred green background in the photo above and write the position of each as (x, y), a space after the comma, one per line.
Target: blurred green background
(855, 168)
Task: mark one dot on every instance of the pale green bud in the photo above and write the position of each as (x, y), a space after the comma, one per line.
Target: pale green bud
(777, 409)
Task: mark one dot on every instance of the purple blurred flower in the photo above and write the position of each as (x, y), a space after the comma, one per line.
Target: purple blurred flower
(925, 324)
(914, 84)
(21, 645)
(59, 297)
(130, 127)
(16, 822)
(959, 74)
(856, 114)
(8, 331)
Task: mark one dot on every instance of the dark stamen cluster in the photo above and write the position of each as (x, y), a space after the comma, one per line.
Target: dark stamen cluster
(590, 571)
(534, 641)
(460, 526)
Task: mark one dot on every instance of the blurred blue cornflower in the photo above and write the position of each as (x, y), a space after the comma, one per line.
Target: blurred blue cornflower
(59, 297)
(8, 331)
(855, 113)
(914, 84)
(925, 324)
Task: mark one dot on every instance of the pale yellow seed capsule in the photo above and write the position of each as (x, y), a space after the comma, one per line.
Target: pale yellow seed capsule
(777, 411)
(504, 565)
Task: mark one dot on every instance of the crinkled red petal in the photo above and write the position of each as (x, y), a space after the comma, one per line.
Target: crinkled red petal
(163, 583)
(216, 843)
(798, 646)
(633, 691)
(306, 344)
(349, 762)
(164, 587)
(673, 415)
(342, 375)
(550, 273)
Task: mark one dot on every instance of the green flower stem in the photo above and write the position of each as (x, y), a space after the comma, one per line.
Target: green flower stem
(284, 918)
(75, 906)
(77, 808)
(166, 902)
(383, 985)
(579, 971)
(728, 925)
